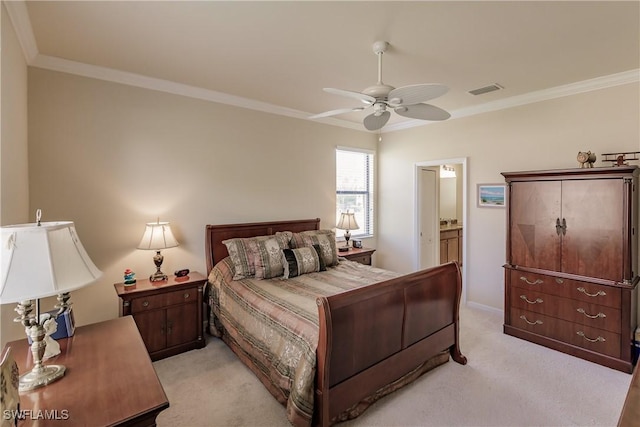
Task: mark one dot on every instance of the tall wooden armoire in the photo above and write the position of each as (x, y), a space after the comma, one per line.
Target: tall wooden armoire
(572, 261)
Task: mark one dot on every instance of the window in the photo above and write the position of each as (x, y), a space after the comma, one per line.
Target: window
(354, 187)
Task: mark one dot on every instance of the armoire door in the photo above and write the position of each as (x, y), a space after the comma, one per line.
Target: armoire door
(535, 208)
(594, 238)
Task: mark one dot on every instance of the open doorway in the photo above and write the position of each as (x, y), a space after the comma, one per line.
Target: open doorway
(441, 213)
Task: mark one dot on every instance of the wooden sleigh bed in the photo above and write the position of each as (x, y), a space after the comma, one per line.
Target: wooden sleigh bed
(370, 340)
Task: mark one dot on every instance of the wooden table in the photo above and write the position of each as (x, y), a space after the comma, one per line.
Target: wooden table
(109, 380)
(630, 415)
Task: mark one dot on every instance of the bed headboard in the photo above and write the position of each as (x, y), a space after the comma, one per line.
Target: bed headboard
(215, 250)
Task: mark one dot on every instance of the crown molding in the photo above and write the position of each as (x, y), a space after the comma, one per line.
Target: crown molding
(19, 16)
(137, 80)
(623, 78)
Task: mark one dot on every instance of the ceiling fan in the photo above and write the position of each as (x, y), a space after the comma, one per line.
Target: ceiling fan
(407, 101)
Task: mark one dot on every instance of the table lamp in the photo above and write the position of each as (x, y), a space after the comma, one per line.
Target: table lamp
(40, 260)
(157, 236)
(347, 222)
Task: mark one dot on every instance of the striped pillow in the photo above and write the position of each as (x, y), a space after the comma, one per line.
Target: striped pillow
(302, 261)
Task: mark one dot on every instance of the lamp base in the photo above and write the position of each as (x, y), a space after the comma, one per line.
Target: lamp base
(41, 377)
(158, 276)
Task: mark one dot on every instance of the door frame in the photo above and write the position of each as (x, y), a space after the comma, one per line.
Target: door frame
(416, 212)
(436, 233)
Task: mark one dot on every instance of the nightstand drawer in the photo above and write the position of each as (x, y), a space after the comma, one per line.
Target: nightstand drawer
(180, 297)
(146, 303)
(362, 259)
(163, 300)
(361, 255)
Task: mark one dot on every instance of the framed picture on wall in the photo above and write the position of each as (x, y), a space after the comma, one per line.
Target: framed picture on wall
(492, 195)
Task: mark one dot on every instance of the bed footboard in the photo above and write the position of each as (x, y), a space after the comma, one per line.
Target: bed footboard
(371, 336)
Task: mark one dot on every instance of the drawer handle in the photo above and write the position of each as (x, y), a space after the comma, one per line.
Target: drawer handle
(599, 339)
(581, 310)
(145, 304)
(537, 322)
(597, 294)
(537, 301)
(186, 295)
(559, 281)
(535, 282)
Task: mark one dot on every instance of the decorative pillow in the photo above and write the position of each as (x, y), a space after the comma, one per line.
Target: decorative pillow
(287, 235)
(269, 262)
(249, 253)
(326, 239)
(302, 261)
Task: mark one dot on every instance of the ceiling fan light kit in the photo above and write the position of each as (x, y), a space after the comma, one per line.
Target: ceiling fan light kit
(407, 101)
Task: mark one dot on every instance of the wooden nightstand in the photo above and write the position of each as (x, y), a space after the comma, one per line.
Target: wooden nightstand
(361, 255)
(168, 313)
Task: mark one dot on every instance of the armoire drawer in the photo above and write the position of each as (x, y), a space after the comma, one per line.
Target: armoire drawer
(593, 339)
(574, 289)
(576, 311)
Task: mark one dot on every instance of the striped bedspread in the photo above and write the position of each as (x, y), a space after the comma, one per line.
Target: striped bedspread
(272, 325)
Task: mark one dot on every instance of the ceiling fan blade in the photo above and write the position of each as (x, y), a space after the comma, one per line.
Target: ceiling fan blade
(336, 112)
(422, 112)
(414, 94)
(373, 122)
(348, 93)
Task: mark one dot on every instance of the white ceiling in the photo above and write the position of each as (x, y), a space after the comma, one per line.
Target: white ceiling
(277, 56)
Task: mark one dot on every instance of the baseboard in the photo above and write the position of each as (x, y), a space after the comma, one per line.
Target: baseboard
(484, 307)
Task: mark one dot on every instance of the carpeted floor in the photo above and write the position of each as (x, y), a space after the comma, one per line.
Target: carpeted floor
(507, 382)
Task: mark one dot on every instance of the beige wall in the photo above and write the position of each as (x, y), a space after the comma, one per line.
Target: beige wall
(543, 135)
(14, 184)
(14, 188)
(111, 157)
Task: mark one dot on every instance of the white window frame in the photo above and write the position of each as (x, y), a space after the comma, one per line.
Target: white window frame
(366, 229)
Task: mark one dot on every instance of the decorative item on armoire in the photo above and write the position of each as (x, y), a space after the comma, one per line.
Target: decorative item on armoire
(586, 159)
(621, 158)
(157, 235)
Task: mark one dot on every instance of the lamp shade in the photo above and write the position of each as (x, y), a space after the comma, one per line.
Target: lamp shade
(41, 260)
(347, 221)
(157, 236)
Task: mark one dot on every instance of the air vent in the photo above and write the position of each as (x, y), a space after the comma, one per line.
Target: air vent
(486, 89)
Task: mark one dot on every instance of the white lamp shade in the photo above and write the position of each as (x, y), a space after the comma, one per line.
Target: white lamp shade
(42, 260)
(347, 221)
(157, 236)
